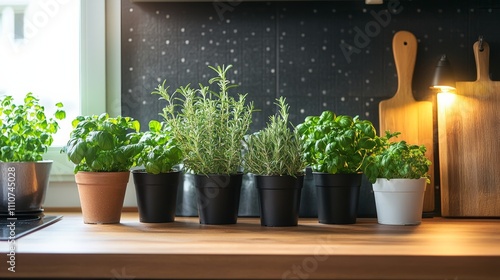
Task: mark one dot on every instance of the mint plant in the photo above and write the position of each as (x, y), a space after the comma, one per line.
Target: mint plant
(208, 125)
(103, 144)
(336, 144)
(159, 152)
(276, 149)
(27, 132)
(393, 160)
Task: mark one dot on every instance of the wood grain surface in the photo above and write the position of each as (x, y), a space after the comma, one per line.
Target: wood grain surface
(469, 144)
(414, 119)
(436, 249)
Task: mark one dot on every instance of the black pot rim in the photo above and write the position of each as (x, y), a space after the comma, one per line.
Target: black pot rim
(215, 174)
(269, 176)
(326, 173)
(143, 171)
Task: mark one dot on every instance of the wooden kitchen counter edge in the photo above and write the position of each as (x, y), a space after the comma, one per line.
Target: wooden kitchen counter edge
(437, 249)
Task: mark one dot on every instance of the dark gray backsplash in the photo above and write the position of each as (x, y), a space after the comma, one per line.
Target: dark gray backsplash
(297, 50)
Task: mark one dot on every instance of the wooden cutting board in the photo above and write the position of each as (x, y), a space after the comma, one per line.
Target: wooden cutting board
(403, 113)
(469, 145)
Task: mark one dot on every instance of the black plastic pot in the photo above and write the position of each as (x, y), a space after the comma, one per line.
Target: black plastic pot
(156, 195)
(279, 198)
(218, 198)
(338, 196)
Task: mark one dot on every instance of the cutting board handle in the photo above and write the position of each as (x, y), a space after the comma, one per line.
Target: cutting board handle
(404, 46)
(482, 61)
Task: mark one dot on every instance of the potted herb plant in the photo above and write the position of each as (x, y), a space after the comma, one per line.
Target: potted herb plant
(156, 183)
(398, 171)
(275, 156)
(103, 150)
(335, 148)
(27, 133)
(209, 127)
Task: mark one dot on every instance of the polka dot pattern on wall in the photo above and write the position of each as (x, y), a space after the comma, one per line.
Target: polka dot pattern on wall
(311, 53)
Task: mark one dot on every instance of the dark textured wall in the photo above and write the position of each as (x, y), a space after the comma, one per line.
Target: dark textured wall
(299, 50)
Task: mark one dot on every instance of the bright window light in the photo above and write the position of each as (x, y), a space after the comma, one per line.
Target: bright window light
(40, 53)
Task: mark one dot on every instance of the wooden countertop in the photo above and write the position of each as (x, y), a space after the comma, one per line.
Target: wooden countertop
(436, 249)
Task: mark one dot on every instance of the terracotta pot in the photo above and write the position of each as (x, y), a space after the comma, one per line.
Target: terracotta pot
(102, 195)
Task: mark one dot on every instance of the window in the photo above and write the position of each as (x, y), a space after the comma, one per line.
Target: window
(55, 49)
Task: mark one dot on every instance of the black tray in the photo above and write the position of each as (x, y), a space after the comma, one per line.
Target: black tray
(24, 225)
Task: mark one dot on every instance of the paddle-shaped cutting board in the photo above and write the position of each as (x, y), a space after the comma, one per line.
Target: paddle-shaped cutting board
(403, 113)
(469, 145)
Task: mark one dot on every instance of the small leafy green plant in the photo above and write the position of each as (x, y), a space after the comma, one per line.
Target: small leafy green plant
(159, 152)
(336, 144)
(277, 149)
(393, 160)
(103, 144)
(26, 130)
(208, 125)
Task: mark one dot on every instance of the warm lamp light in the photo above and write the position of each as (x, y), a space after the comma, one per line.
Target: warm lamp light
(443, 80)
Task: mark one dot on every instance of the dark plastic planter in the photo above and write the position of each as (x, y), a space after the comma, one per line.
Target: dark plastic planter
(156, 195)
(279, 199)
(218, 198)
(338, 196)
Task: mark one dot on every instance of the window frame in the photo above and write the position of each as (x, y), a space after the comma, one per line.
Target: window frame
(92, 78)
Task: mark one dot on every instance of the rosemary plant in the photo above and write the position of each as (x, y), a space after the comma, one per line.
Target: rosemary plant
(208, 125)
(277, 149)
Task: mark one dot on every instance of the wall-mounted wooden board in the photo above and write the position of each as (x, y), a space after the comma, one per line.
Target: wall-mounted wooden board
(469, 145)
(403, 113)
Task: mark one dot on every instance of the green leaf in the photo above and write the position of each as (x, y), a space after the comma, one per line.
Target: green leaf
(326, 116)
(344, 121)
(367, 143)
(104, 139)
(60, 114)
(155, 126)
(77, 152)
(136, 125)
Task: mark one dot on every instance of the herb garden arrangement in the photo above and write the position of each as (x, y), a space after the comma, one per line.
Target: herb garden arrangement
(204, 133)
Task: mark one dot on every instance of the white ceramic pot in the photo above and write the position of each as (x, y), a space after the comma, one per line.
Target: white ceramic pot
(399, 201)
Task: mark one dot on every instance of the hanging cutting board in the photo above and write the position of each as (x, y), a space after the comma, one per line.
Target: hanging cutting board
(469, 145)
(403, 113)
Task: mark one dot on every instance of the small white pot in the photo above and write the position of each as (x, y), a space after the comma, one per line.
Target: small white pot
(399, 201)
